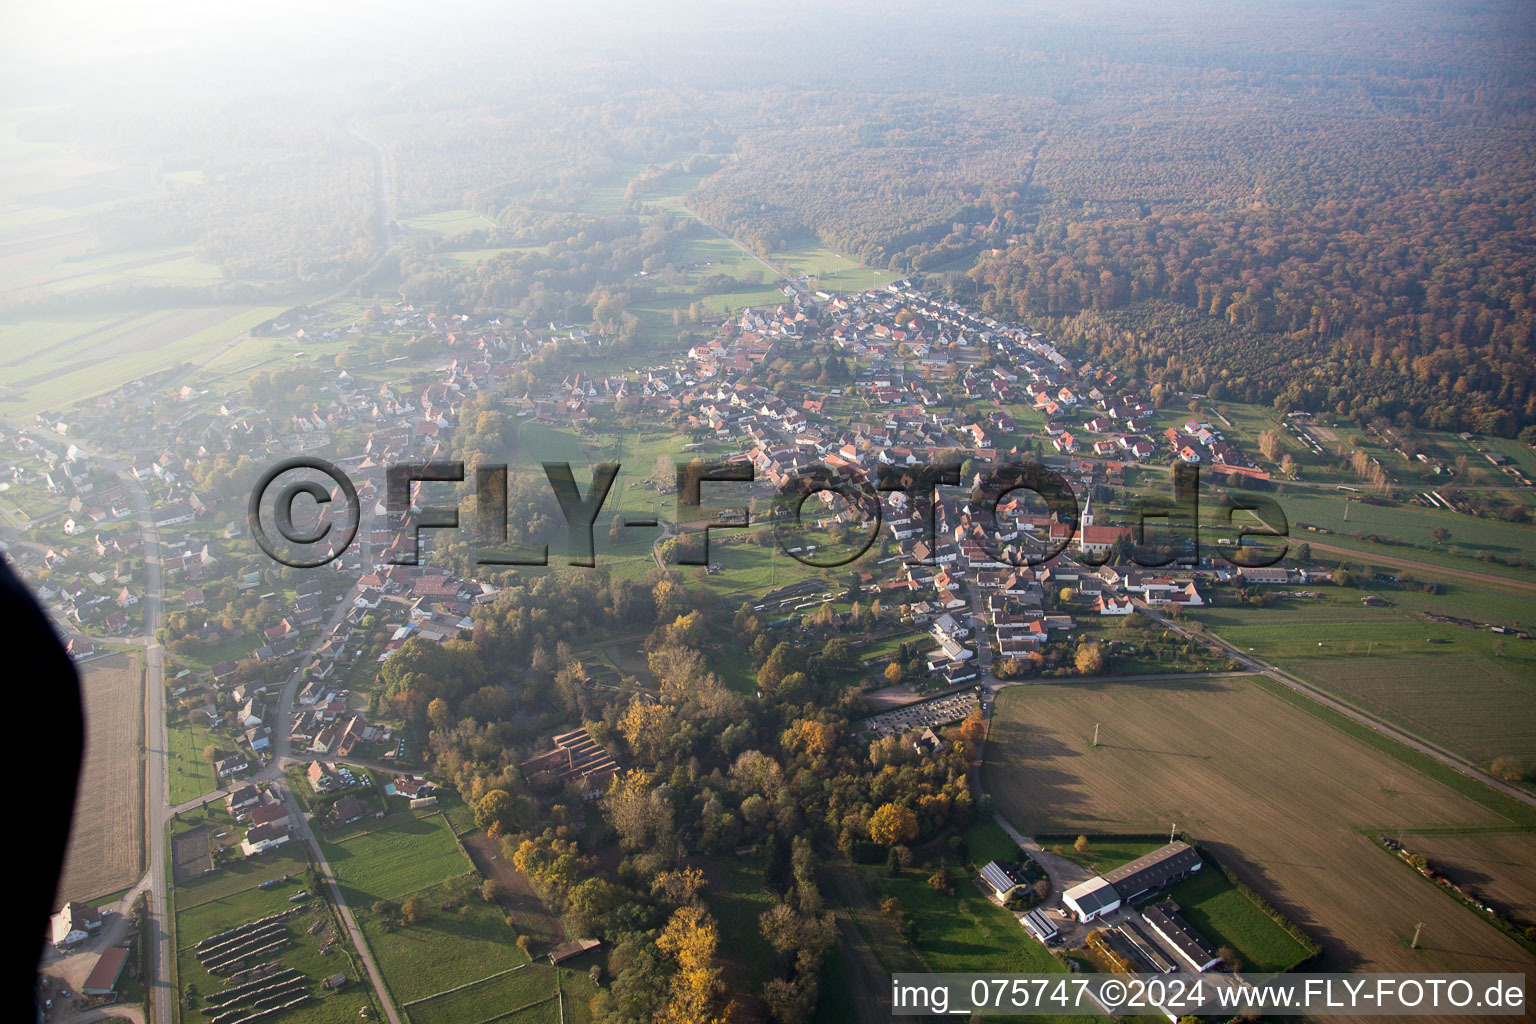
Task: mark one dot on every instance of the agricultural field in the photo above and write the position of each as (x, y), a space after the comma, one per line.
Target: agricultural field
(1103, 853)
(1410, 525)
(1434, 679)
(1272, 791)
(106, 839)
(1498, 866)
(962, 931)
(461, 940)
(232, 896)
(66, 360)
(525, 987)
(448, 223)
(457, 961)
(985, 841)
(407, 854)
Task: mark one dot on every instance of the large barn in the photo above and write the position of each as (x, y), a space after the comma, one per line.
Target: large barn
(1195, 949)
(1154, 871)
(1104, 893)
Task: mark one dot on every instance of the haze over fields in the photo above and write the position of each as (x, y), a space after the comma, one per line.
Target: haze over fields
(1244, 293)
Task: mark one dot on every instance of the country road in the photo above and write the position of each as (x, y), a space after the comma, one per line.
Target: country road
(1423, 568)
(158, 808)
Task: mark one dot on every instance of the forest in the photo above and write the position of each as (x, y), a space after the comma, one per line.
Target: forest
(1342, 199)
(707, 772)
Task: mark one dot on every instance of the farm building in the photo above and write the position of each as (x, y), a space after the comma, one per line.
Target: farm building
(75, 923)
(102, 980)
(1037, 924)
(1192, 947)
(1103, 893)
(1155, 870)
(1147, 954)
(1265, 575)
(1003, 878)
(570, 950)
(576, 757)
(1091, 899)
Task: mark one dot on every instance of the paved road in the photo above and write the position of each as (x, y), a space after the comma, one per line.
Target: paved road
(158, 808)
(1420, 568)
(156, 777)
(301, 826)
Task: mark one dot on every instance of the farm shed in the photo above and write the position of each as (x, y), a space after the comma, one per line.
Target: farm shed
(1192, 947)
(1154, 870)
(103, 977)
(568, 950)
(1149, 953)
(1037, 924)
(1003, 878)
(1091, 899)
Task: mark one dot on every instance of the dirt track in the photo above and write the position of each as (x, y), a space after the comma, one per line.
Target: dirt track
(517, 898)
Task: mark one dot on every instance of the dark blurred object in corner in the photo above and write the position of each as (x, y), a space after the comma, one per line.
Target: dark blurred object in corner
(39, 664)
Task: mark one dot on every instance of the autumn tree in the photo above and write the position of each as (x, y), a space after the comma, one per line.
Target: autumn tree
(1269, 444)
(1089, 659)
(642, 816)
(892, 824)
(697, 992)
(681, 888)
(810, 736)
(648, 729)
(494, 812)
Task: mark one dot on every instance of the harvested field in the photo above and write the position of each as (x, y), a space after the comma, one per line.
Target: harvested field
(1275, 793)
(106, 837)
(1500, 867)
(1448, 707)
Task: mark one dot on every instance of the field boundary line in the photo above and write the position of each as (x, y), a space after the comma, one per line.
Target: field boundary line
(516, 1010)
(225, 896)
(173, 960)
(467, 984)
(409, 815)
